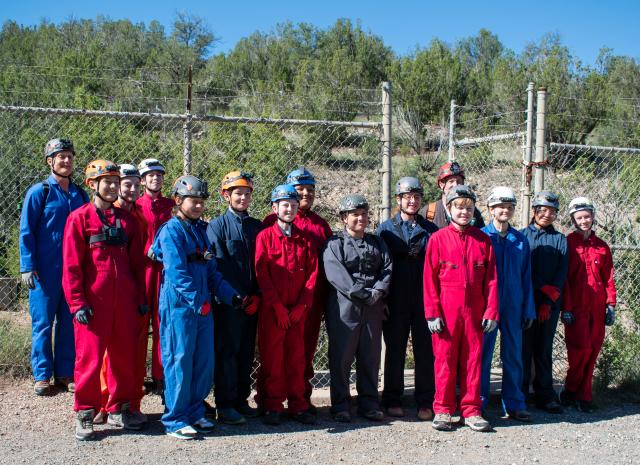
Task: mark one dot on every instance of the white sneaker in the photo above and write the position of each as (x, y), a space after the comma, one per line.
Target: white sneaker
(204, 426)
(185, 433)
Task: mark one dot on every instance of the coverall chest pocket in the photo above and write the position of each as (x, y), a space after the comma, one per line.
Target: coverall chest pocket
(101, 257)
(449, 271)
(479, 270)
(596, 261)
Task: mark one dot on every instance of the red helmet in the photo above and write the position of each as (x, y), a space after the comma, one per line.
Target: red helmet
(451, 168)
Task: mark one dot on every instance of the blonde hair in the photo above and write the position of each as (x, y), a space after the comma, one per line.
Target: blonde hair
(463, 203)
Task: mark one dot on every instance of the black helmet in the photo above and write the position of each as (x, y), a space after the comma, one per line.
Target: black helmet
(58, 145)
(352, 202)
(546, 199)
(461, 191)
(190, 186)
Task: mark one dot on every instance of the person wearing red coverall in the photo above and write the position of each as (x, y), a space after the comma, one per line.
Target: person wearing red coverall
(127, 196)
(319, 232)
(156, 210)
(103, 283)
(460, 301)
(286, 270)
(588, 305)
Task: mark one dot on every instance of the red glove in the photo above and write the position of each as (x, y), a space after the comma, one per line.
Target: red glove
(297, 313)
(544, 312)
(282, 316)
(550, 291)
(206, 308)
(252, 305)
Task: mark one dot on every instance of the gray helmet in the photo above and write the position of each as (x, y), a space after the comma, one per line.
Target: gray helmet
(408, 184)
(461, 191)
(190, 186)
(129, 171)
(352, 202)
(150, 164)
(546, 199)
(58, 145)
(501, 194)
(581, 203)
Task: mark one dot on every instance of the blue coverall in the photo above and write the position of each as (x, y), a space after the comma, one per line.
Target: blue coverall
(549, 265)
(513, 262)
(41, 229)
(186, 324)
(233, 241)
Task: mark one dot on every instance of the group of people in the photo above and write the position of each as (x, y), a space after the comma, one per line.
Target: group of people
(102, 270)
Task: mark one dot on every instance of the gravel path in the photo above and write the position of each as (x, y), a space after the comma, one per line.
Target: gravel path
(40, 430)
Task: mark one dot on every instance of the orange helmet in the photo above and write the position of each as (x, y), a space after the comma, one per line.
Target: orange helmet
(100, 168)
(451, 168)
(236, 179)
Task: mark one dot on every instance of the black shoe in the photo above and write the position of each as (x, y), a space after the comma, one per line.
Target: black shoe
(585, 406)
(209, 410)
(313, 410)
(342, 416)
(272, 418)
(567, 398)
(552, 407)
(372, 415)
(249, 412)
(306, 418)
(519, 415)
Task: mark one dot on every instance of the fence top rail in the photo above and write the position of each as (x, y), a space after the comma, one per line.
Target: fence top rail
(189, 117)
(593, 148)
(492, 138)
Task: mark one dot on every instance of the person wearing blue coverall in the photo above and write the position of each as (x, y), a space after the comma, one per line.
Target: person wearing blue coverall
(233, 242)
(189, 281)
(406, 235)
(517, 311)
(549, 266)
(45, 210)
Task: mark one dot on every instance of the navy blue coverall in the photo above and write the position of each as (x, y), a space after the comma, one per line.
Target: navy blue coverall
(41, 229)
(407, 243)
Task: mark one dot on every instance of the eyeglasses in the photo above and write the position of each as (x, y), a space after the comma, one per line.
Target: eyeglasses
(412, 196)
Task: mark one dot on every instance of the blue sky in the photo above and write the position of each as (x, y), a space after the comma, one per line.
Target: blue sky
(584, 26)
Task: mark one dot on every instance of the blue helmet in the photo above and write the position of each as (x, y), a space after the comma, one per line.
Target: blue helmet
(301, 177)
(284, 192)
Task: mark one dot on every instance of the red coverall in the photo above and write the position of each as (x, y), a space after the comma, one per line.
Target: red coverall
(143, 333)
(156, 212)
(110, 280)
(461, 287)
(588, 289)
(319, 231)
(286, 270)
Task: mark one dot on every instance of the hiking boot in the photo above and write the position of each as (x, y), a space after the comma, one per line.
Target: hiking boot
(305, 417)
(567, 398)
(585, 406)
(477, 423)
(65, 383)
(230, 416)
(552, 407)
(184, 433)
(204, 426)
(396, 412)
(84, 425)
(100, 418)
(373, 415)
(425, 414)
(247, 411)
(124, 419)
(42, 387)
(138, 417)
(342, 416)
(313, 410)
(272, 418)
(442, 422)
(519, 415)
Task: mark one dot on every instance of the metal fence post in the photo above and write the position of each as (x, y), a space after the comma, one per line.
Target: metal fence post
(386, 152)
(452, 125)
(540, 139)
(526, 166)
(186, 128)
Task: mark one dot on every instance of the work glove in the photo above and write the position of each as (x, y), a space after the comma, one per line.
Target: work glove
(436, 325)
(143, 309)
(376, 295)
(527, 323)
(567, 318)
(361, 296)
(83, 315)
(550, 291)
(544, 312)
(282, 316)
(151, 254)
(297, 313)
(238, 303)
(29, 279)
(253, 302)
(610, 315)
(489, 326)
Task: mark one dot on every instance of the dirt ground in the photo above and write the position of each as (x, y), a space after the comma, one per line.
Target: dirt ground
(40, 430)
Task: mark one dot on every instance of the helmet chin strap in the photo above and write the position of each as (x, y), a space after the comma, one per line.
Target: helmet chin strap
(97, 193)
(60, 175)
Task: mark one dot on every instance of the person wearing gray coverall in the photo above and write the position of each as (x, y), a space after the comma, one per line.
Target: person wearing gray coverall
(358, 267)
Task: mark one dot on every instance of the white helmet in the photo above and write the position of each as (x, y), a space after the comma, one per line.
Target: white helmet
(581, 203)
(501, 194)
(150, 164)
